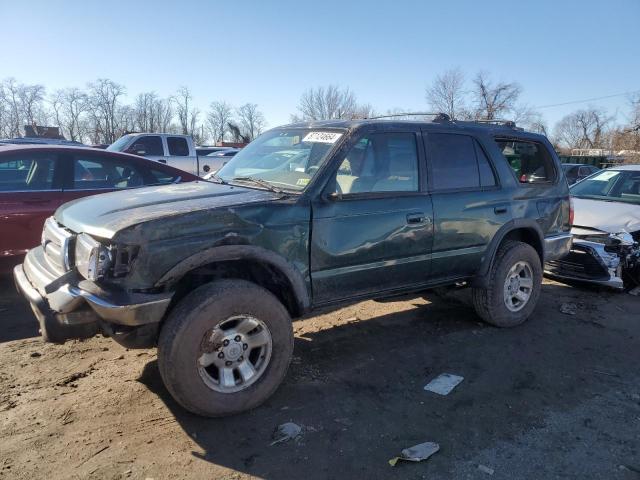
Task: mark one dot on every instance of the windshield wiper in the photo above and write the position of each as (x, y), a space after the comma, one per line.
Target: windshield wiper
(258, 181)
(217, 179)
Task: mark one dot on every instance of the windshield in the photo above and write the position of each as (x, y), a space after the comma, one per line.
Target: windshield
(119, 144)
(287, 158)
(611, 185)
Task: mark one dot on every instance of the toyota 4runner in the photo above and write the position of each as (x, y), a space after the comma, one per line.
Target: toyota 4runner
(308, 215)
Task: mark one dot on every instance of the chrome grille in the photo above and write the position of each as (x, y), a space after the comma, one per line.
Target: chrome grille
(56, 243)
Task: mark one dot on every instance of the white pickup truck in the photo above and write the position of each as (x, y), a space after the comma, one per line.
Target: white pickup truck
(175, 150)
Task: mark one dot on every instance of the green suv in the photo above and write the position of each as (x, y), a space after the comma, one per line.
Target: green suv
(308, 215)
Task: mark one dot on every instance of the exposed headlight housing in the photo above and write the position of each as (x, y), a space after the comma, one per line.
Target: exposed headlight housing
(92, 258)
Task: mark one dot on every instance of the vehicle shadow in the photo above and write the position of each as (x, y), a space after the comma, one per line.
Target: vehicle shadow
(16, 317)
(357, 391)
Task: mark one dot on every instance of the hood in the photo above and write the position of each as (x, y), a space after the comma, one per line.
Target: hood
(104, 215)
(610, 217)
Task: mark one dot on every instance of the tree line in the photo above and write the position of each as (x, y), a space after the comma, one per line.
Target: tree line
(98, 113)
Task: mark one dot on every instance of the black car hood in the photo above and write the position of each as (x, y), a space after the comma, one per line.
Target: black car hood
(104, 215)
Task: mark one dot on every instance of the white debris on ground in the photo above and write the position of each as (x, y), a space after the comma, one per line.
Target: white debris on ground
(569, 308)
(286, 431)
(444, 383)
(485, 469)
(417, 453)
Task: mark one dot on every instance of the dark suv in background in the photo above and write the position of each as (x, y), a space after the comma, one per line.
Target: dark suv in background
(306, 216)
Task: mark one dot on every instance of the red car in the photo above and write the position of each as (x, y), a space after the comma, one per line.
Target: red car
(36, 179)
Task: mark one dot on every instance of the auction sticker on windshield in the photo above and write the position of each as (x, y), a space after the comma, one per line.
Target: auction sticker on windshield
(322, 137)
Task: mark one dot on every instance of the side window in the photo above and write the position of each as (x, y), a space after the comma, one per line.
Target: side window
(530, 160)
(487, 177)
(453, 161)
(584, 171)
(26, 172)
(151, 145)
(160, 178)
(178, 146)
(380, 162)
(94, 173)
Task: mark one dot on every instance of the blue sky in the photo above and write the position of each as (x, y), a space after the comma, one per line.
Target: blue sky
(268, 53)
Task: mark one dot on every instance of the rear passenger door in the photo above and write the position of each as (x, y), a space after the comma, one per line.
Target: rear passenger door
(372, 229)
(180, 156)
(469, 205)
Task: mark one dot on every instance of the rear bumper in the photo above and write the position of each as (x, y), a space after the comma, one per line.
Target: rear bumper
(557, 246)
(67, 307)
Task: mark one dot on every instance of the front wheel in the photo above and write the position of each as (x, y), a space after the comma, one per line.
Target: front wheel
(225, 348)
(513, 286)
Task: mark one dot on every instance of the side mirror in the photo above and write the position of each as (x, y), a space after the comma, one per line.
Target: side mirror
(332, 197)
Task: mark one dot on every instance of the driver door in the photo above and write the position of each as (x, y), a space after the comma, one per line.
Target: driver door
(372, 229)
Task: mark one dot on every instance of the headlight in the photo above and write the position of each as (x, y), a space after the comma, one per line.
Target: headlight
(92, 258)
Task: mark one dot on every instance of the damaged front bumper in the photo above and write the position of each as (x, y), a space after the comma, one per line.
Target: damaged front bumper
(68, 307)
(602, 259)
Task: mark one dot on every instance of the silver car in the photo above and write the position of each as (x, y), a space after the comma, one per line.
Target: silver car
(606, 230)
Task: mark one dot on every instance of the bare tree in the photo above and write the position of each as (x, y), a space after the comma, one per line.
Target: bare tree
(583, 129)
(218, 118)
(105, 110)
(31, 99)
(327, 103)
(251, 120)
(236, 134)
(152, 113)
(70, 106)
(187, 114)
(493, 100)
(11, 98)
(447, 94)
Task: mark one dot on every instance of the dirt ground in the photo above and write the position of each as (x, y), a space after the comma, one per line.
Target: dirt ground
(558, 397)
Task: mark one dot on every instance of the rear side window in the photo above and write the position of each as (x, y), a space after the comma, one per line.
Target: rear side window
(178, 146)
(458, 162)
(95, 173)
(158, 177)
(530, 161)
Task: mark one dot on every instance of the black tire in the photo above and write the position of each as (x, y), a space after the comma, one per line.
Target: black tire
(183, 332)
(490, 303)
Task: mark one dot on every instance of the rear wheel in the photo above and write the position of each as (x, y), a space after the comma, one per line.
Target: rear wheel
(513, 286)
(225, 348)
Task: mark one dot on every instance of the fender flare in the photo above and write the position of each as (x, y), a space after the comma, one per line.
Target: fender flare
(242, 252)
(487, 261)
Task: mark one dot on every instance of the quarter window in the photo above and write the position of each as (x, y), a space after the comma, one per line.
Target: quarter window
(26, 172)
(530, 161)
(178, 146)
(380, 162)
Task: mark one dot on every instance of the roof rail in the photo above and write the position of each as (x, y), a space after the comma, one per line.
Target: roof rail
(438, 116)
(506, 123)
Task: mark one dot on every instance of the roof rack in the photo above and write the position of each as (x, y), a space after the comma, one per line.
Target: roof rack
(506, 123)
(438, 116)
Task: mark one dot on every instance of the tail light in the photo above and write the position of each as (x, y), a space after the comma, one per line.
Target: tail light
(570, 211)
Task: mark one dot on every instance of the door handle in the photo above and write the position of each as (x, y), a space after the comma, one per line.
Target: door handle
(499, 210)
(414, 218)
(162, 161)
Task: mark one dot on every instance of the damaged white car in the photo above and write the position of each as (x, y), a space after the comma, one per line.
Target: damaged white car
(606, 230)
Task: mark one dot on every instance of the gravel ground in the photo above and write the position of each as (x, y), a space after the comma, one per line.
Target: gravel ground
(558, 397)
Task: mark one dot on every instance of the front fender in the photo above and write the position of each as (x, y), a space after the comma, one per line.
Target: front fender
(241, 252)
